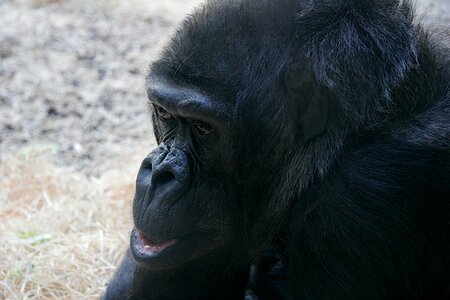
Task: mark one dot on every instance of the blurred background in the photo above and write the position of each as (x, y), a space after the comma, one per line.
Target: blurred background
(74, 126)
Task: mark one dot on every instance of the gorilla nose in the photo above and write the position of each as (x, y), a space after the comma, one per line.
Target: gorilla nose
(165, 173)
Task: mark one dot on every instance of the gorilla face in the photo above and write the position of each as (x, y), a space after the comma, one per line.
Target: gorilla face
(185, 204)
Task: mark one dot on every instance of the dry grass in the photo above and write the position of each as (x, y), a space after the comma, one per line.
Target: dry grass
(62, 233)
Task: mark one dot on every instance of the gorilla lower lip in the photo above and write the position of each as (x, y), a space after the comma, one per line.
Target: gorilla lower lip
(149, 247)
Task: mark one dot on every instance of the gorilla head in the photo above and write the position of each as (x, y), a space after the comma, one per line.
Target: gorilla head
(224, 119)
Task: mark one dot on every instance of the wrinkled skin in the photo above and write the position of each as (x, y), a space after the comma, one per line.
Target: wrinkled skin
(303, 153)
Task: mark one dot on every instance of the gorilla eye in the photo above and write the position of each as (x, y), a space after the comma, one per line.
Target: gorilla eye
(202, 127)
(162, 113)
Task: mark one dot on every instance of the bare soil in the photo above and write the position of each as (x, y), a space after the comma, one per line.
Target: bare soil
(72, 74)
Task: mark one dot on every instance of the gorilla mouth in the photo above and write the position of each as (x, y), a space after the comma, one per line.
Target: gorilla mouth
(149, 247)
(166, 254)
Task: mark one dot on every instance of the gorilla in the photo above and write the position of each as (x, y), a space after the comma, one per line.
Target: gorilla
(303, 153)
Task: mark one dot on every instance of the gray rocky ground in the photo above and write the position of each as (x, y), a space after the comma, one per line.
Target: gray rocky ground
(72, 73)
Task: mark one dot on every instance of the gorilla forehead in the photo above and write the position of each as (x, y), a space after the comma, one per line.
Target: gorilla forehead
(216, 46)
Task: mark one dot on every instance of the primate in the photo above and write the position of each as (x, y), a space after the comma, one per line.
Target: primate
(303, 153)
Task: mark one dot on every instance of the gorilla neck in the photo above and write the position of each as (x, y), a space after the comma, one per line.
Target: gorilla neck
(194, 282)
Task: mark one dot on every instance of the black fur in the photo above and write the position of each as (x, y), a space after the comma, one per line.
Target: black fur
(327, 173)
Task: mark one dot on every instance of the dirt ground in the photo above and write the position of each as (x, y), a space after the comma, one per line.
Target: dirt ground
(73, 129)
(72, 75)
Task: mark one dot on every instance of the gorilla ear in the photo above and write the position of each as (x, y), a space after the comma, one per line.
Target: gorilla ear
(311, 103)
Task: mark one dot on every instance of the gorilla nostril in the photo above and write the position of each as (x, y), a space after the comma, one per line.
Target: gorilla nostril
(146, 164)
(164, 178)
